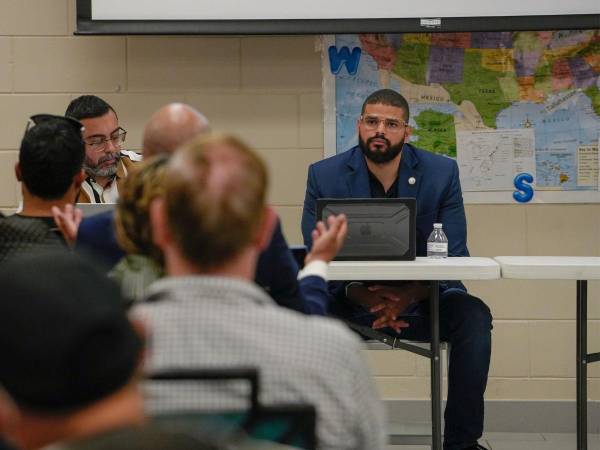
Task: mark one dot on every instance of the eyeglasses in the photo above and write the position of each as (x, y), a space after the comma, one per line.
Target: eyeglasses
(99, 143)
(41, 118)
(390, 125)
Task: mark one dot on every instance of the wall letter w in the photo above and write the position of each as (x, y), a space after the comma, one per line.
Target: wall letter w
(338, 58)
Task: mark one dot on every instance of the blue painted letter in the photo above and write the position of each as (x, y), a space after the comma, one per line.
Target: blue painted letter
(524, 192)
(338, 58)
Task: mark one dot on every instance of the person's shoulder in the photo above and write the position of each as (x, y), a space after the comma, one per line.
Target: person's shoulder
(158, 297)
(19, 221)
(24, 233)
(16, 224)
(166, 294)
(13, 218)
(101, 216)
(131, 156)
(335, 161)
(129, 160)
(102, 219)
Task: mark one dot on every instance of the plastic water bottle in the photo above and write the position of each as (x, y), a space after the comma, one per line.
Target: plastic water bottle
(437, 243)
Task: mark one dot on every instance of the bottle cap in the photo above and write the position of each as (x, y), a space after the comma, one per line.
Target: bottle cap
(437, 225)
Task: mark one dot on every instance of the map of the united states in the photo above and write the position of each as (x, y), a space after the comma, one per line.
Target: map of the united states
(464, 82)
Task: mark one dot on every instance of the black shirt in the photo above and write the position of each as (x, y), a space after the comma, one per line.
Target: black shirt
(21, 234)
(377, 189)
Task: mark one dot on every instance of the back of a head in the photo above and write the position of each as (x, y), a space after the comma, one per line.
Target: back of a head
(51, 154)
(88, 107)
(387, 97)
(132, 215)
(65, 339)
(215, 199)
(171, 127)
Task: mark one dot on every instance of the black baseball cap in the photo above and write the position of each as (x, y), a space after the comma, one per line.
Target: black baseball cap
(65, 339)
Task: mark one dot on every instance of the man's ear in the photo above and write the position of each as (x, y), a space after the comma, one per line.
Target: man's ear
(161, 235)
(18, 172)
(407, 133)
(265, 232)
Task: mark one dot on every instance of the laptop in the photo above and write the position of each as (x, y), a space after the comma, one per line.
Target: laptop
(378, 228)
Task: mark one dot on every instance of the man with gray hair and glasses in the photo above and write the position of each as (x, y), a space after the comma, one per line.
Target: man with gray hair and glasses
(106, 163)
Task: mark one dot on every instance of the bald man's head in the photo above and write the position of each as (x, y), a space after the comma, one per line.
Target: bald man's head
(171, 127)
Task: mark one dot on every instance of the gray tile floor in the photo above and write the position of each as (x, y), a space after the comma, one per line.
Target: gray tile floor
(522, 441)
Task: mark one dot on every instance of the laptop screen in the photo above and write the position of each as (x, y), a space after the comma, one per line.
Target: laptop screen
(378, 229)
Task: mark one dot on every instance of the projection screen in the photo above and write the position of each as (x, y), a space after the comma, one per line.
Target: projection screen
(329, 16)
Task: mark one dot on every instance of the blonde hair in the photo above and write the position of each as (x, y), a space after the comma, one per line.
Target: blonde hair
(132, 219)
(215, 195)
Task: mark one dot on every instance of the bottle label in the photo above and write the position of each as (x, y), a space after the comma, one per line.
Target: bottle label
(437, 247)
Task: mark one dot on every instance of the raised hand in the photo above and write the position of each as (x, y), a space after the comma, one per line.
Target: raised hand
(68, 220)
(327, 240)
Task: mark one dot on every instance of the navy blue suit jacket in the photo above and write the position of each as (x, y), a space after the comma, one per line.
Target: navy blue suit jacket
(277, 273)
(276, 269)
(96, 235)
(436, 189)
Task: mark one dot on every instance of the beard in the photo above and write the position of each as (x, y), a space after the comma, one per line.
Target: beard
(94, 170)
(381, 155)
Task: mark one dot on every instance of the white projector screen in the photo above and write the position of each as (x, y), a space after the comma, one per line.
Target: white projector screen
(329, 16)
(330, 9)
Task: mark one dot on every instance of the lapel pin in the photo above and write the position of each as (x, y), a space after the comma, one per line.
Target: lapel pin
(412, 180)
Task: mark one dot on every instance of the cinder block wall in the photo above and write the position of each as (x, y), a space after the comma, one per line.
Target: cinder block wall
(268, 90)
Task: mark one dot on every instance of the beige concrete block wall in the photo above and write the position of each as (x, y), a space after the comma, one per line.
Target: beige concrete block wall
(268, 90)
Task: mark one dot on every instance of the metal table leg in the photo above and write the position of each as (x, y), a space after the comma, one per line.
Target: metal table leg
(582, 365)
(436, 384)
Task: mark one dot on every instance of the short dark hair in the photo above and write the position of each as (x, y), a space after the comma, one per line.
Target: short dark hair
(387, 97)
(51, 154)
(88, 107)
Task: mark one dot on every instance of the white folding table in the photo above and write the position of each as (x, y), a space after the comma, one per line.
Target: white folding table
(582, 269)
(433, 270)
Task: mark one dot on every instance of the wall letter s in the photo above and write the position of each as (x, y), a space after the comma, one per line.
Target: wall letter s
(524, 192)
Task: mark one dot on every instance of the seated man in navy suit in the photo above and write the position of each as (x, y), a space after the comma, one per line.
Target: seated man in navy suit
(168, 129)
(383, 165)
